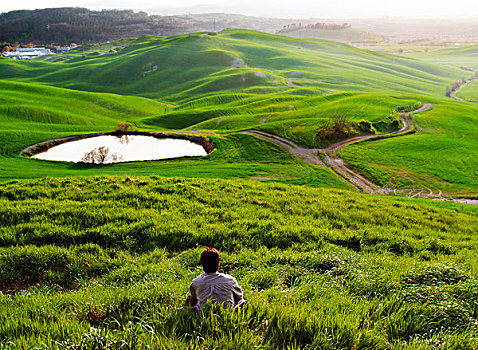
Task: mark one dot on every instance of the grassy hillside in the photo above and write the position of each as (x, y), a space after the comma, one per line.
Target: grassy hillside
(469, 92)
(32, 113)
(293, 115)
(441, 155)
(189, 65)
(101, 257)
(105, 262)
(227, 95)
(343, 35)
(456, 57)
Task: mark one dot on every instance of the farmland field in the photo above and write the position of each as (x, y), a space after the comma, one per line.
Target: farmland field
(101, 256)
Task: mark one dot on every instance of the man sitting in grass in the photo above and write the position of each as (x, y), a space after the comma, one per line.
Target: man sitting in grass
(218, 287)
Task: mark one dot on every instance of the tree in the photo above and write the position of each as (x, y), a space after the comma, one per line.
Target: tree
(99, 156)
(448, 92)
(337, 127)
(123, 128)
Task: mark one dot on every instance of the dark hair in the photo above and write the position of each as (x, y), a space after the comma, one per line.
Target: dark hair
(210, 258)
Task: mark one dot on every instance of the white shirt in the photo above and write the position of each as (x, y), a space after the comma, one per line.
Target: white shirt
(219, 287)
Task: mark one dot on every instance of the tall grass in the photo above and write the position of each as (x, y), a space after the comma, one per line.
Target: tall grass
(106, 263)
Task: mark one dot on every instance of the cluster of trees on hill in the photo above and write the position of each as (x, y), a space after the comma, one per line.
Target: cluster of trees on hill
(327, 26)
(79, 25)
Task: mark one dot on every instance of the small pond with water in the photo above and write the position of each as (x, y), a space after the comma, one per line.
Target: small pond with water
(126, 148)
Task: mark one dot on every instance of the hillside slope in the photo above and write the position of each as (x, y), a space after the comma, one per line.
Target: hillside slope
(108, 260)
(241, 80)
(188, 65)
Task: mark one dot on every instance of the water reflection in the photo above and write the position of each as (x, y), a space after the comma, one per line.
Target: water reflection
(124, 140)
(113, 149)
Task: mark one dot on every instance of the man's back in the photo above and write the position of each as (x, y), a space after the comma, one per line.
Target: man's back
(219, 287)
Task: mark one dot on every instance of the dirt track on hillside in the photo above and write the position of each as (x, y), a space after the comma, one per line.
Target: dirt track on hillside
(337, 164)
(327, 157)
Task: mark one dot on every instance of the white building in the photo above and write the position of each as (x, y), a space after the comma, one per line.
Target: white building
(27, 53)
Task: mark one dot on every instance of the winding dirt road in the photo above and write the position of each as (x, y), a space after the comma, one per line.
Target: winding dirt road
(337, 164)
(307, 155)
(326, 157)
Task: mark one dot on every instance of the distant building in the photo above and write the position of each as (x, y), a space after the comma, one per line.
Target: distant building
(27, 53)
(62, 49)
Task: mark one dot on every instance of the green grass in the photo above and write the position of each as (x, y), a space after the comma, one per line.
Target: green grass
(163, 67)
(106, 261)
(284, 99)
(441, 155)
(456, 57)
(32, 113)
(469, 92)
(102, 256)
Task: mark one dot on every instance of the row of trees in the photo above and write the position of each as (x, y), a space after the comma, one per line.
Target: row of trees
(328, 26)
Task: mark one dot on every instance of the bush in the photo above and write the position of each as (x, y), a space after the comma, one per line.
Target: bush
(338, 127)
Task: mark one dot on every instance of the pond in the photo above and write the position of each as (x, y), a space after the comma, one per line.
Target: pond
(126, 148)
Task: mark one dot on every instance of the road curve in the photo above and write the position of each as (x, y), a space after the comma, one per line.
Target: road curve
(337, 164)
(407, 126)
(307, 155)
(326, 157)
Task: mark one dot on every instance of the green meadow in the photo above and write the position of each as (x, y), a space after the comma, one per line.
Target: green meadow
(105, 263)
(101, 256)
(469, 92)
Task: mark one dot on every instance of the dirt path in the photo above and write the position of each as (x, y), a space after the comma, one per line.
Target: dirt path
(327, 157)
(307, 155)
(407, 126)
(362, 184)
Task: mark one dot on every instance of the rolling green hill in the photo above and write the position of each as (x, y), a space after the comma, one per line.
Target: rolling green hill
(469, 92)
(457, 57)
(32, 113)
(189, 65)
(101, 256)
(234, 81)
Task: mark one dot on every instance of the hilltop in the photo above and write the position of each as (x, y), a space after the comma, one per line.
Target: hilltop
(330, 31)
(79, 25)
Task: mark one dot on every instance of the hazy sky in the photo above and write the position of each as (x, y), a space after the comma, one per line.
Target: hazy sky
(275, 8)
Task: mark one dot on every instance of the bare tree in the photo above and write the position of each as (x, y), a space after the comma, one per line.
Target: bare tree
(99, 156)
